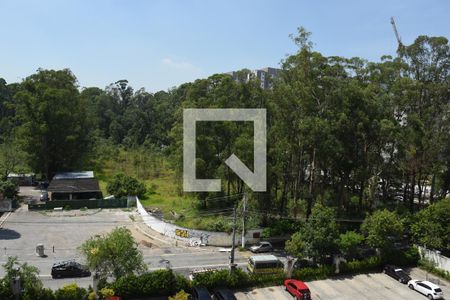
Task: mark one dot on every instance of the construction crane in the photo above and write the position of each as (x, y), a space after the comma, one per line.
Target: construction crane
(399, 40)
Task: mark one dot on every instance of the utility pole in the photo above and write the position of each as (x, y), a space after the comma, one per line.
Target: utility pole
(232, 264)
(244, 211)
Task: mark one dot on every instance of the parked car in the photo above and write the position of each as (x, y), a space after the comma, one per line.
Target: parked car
(304, 263)
(262, 247)
(44, 196)
(200, 293)
(297, 289)
(223, 294)
(69, 269)
(429, 289)
(397, 273)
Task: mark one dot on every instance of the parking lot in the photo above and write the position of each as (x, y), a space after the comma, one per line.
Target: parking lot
(364, 286)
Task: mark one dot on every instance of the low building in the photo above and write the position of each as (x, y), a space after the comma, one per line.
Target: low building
(22, 179)
(74, 186)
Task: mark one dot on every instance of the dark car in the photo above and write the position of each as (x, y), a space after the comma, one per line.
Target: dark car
(397, 273)
(69, 269)
(200, 293)
(223, 294)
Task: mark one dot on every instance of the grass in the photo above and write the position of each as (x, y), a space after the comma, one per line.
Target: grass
(155, 171)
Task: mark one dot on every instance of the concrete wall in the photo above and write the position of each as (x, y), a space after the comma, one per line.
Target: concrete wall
(5, 205)
(191, 236)
(442, 262)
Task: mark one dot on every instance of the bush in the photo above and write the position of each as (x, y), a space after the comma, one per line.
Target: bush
(181, 295)
(408, 258)
(123, 186)
(222, 278)
(360, 266)
(318, 273)
(430, 267)
(157, 283)
(280, 228)
(71, 292)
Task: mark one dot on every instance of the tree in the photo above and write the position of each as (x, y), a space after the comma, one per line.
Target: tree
(8, 189)
(349, 242)
(382, 228)
(318, 237)
(11, 158)
(29, 279)
(296, 245)
(53, 131)
(431, 227)
(122, 185)
(115, 254)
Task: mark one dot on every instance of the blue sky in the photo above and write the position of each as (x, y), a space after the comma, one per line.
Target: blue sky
(161, 44)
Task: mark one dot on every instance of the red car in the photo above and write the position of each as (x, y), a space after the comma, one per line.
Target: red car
(297, 289)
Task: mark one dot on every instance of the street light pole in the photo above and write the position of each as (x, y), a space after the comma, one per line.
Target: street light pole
(232, 264)
(243, 219)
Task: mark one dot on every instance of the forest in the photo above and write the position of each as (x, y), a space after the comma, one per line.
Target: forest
(348, 133)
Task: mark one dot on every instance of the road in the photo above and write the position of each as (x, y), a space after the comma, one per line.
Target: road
(63, 232)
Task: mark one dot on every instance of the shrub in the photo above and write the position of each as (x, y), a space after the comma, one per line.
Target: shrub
(223, 278)
(70, 292)
(430, 267)
(181, 295)
(321, 272)
(409, 257)
(157, 283)
(106, 292)
(360, 266)
(123, 186)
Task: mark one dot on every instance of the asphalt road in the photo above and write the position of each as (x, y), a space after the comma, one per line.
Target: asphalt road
(66, 231)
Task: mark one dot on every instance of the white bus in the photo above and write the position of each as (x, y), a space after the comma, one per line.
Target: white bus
(264, 264)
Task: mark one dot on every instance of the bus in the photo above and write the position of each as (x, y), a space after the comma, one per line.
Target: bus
(264, 264)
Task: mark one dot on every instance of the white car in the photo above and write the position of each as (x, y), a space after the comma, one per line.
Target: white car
(426, 288)
(262, 247)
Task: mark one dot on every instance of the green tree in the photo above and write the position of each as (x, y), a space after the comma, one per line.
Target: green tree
(8, 189)
(30, 282)
(431, 227)
(115, 254)
(53, 130)
(122, 185)
(349, 242)
(382, 228)
(318, 237)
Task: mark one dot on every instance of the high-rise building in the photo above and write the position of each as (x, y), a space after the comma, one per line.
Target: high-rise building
(264, 75)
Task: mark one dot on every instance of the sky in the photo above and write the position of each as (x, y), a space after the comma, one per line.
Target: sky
(158, 44)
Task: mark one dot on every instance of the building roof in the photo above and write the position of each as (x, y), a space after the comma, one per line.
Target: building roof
(74, 186)
(256, 258)
(74, 175)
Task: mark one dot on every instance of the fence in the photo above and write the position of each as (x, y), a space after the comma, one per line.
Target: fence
(77, 204)
(441, 261)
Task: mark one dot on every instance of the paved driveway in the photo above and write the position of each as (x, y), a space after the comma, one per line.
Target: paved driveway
(364, 286)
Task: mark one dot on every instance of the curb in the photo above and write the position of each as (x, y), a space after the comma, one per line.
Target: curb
(4, 217)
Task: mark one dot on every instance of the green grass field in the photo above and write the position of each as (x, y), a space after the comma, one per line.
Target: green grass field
(158, 176)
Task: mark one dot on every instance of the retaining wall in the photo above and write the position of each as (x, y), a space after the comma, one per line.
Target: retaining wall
(441, 261)
(192, 236)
